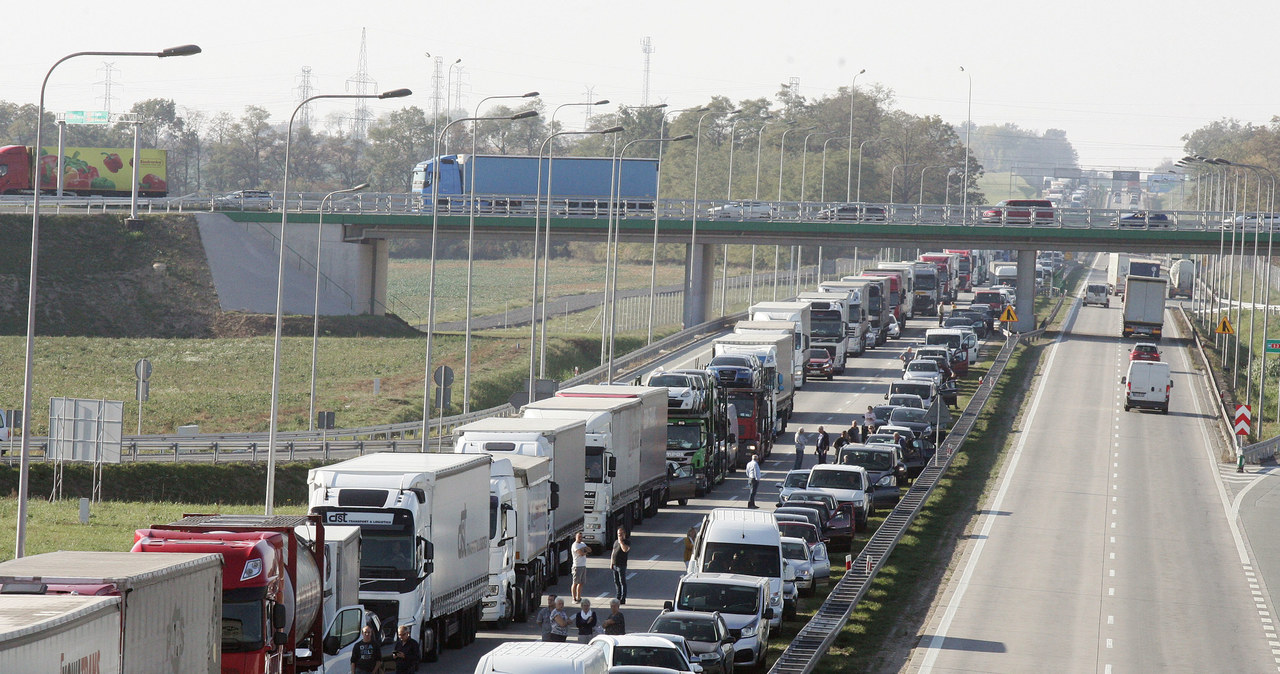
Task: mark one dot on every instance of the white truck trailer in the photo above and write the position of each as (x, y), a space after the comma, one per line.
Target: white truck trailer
(1144, 307)
(149, 614)
(536, 486)
(778, 346)
(424, 523)
(1182, 275)
(1117, 272)
(799, 314)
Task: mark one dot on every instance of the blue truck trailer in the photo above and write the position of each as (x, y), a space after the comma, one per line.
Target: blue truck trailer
(578, 184)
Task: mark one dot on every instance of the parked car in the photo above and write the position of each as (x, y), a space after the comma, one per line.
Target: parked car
(644, 649)
(895, 330)
(819, 363)
(798, 554)
(916, 456)
(849, 485)
(923, 368)
(919, 421)
(881, 413)
(800, 527)
(1145, 351)
(906, 400)
(245, 200)
(742, 210)
(885, 468)
(1020, 212)
(1142, 220)
(706, 634)
(682, 484)
(743, 603)
(795, 479)
(978, 321)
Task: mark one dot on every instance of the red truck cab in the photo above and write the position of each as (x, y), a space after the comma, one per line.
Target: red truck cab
(964, 268)
(15, 169)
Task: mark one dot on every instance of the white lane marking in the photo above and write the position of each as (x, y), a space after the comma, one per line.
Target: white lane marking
(1113, 573)
(1108, 643)
(731, 498)
(1111, 592)
(1111, 620)
(1231, 514)
(934, 647)
(1106, 670)
(632, 575)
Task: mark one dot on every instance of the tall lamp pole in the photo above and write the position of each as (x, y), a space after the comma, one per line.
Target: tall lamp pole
(471, 242)
(822, 194)
(968, 129)
(860, 146)
(275, 354)
(653, 264)
(853, 89)
(315, 311)
(922, 172)
(27, 376)
(804, 162)
(693, 231)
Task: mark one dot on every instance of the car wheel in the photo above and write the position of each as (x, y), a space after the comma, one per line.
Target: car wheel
(683, 501)
(1126, 408)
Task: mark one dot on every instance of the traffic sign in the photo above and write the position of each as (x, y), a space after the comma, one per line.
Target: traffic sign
(443, 376)
(1243, 417)
(142, 369)
(1224, 327)
(1273, 346)
(86, 117)
(1008, 316)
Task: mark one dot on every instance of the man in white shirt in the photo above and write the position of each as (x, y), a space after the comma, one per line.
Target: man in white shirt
(753, 476)
(579, 551)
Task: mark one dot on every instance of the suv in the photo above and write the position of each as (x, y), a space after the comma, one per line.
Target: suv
(885, 468)
(706, 634)
(848, 484)
(743, 603)
(1020, 212)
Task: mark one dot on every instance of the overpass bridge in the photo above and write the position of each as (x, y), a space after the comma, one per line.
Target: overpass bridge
(372, 222)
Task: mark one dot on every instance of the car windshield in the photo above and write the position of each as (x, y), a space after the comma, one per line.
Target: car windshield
(692, 629)
(882, 412)
(670, 381)
(797, 479)
(743, 558)
(653, 656)
(738, 599)
(906, 400)
(684, 437)
(922, 366)
(735, 361)
(947, 340)
(871, 460)
(835, 479)
(919, 389)
(799, 530)
(795, 551)
(908, 414)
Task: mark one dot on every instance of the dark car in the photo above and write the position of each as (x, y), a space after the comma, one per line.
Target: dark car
(682, 485)
(949, 392)
(1020, 212)
(885, 469)
(882, 413)
(813, 515)
(983, 310)
(1145, 351)
(916, 455)
(706, 635)
(853, 213)
(803, 530)
(969, 322)
(1141, 220)
(919, 421)
(736, 371)
(979, 321)
(819, 363)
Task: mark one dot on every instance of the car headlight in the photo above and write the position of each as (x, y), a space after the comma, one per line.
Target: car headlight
(858, 502)
(709, 657)
(886, 481)
(775, 598)
(804, 573)
(685, 394)
(493, 589)
(750, 629)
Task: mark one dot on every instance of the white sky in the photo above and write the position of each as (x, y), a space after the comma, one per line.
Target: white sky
(1125, 79)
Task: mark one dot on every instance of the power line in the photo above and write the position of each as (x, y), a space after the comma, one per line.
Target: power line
(304, 92)
(361, 83)
(107, 68)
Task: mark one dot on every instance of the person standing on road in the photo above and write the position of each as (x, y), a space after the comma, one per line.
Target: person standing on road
(840, 442)
(579, 552)
(544, 617)
(618, 562)
(615, 623)
(559, 623)
(586, 621)
(366, 655)
(907, 357)
(799, 450)
(753, 476)
(691, 537)
(869, 418)
(407, 653)
(823, 445)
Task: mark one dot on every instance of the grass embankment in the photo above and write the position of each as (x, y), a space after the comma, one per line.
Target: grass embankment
(882, 628)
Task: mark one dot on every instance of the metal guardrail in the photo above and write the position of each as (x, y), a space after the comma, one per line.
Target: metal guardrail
(1253, 454)
(816, 637)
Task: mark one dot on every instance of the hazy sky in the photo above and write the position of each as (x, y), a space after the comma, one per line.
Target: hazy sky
(1125, 79)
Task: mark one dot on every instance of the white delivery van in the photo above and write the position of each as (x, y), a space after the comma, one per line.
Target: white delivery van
(543, 657)
(746, 542)
(1096, 293)
(1147, 385)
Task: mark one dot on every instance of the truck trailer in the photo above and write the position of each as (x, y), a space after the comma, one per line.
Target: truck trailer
(1182, 274)
(1144, 307)
(799, 313)
(574, 185)
(1117, 272)
(86, 171)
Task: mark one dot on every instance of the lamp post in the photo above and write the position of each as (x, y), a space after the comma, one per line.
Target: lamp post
(894, 170)
(471, 240)
(546, 235)
(751, 287)
(273, 424)
(694, 263)
(946, 198)
(533, 310)
(870, 140)
(822, 194)
(315, 312)
(448, 103)
(24, 460)
(653, 264)
(613, 304)
(804, 163)
(853, 89)
(782, 153)
(968, 128)
(922, 172)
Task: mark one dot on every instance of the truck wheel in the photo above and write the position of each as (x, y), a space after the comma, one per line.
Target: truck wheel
(429, 639)
(519, 607)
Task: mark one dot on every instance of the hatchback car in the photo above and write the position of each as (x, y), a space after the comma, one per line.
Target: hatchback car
(797, 553)
(925, 369)
(706, 634)
(894, 328)
(683, 391)
(1020, 212)
(795, 479)
(1145, 351)
(819, 363)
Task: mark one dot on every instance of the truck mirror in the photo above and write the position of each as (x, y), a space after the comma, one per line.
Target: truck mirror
(330, 645)
(279, 638)
(613, 466)
(555, 501)
(428, 555)
(279, 617)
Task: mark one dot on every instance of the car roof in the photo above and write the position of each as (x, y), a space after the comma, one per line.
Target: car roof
(724, 579)
(637, 639)
(709, 616)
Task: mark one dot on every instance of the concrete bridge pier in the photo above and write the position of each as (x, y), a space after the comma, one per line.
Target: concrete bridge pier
(1025, 306)
(699, 283)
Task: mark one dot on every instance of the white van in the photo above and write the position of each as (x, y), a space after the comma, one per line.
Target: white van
(745, 542)
(1147, 385)
(543, 657)
(1096, 293)
(964, 341)
(740, 600)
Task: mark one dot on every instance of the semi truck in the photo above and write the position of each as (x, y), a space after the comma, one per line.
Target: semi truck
(577, 185)
(899, 298)
(847, 300)
(1182, 274)
(750, 393)
(921, 302)
(626, 453)
(800, 314)
(111, 612)
(855, 294)
(270, 562)
(698, 436)
(424, 524)
(1144, 307)
(86, 171)
(536, 485)
(964, 268)
(1117, 271)
(876, 302)
(777, 348)
(948, 276)
(834, 327)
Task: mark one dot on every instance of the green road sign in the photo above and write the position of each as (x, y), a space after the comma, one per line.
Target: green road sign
(1273, 346)
(86, 117)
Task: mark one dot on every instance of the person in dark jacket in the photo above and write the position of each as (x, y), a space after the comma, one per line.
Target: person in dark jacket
(407, 652)
(823, 445)
(366, 655)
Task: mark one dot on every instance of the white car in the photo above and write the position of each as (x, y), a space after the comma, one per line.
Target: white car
(895, 330)
(682, 392)
(645, 649)
(797, 553)
(849, 485)
(245, 200)
(742, 210)
(925, 369)
(795, 479)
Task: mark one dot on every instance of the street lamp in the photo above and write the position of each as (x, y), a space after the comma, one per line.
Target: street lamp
(24, 461)
(653, 264)
(613, 292)
(471, 240)
(315, 312)
(284, 221)
(904, 177)
(922, 172)
(804, 162)
(782, 153)
(853, 89)
(822, 195)
(751, 288)
(546, 237)
(448, 102)
(860, 145)
(964, 198)
(533, 310)
(694, 263)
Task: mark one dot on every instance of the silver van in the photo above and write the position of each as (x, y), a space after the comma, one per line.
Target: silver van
(1096, 293)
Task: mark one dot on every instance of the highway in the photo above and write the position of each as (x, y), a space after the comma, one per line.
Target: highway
(658, 544)
(1106, 544)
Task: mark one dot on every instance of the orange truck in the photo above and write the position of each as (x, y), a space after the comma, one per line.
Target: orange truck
(86, 171)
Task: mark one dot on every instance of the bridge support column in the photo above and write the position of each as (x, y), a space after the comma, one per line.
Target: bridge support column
(1026, 291)
(699, 283)
(378, 276)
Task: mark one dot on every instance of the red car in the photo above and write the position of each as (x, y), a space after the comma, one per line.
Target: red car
(1020, 212)
(820, 364)
(1144, 351)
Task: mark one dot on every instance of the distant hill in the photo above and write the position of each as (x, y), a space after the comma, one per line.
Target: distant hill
(98, 279)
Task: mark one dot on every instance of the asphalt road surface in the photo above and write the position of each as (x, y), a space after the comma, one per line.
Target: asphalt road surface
(1106, 544)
